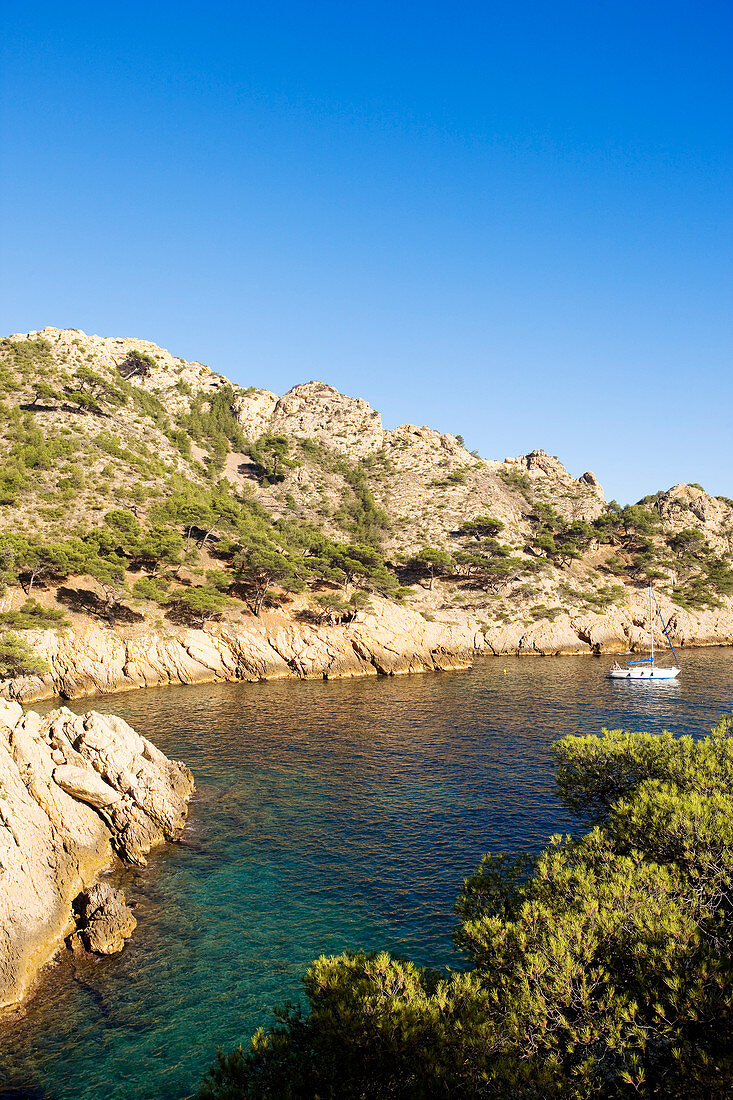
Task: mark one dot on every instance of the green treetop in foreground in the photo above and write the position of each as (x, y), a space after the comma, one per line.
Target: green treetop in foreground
(600, 968)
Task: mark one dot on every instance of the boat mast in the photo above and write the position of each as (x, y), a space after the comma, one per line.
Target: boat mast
(651, 623)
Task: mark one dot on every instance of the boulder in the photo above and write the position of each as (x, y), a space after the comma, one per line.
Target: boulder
(104, 919)
(85, 785)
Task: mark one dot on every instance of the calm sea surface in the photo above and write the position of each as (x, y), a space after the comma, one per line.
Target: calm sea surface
(327, 815)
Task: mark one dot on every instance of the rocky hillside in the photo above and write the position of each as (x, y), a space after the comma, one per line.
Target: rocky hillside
(145, 493)
(103, 421)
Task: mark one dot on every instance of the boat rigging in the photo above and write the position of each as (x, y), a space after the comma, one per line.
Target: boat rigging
(632, 671)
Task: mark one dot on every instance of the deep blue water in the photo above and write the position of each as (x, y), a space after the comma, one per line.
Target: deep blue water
(327, 815)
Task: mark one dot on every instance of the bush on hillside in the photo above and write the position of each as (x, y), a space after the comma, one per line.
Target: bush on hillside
(32, 616)
(18, 659)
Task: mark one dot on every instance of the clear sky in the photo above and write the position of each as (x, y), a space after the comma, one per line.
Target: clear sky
(510, 221)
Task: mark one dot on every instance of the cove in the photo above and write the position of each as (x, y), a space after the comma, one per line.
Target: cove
(327, 815)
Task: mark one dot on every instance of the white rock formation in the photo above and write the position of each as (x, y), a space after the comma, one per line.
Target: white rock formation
(73, 790)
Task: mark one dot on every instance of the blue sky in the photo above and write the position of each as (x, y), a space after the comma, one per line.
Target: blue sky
(509, 221)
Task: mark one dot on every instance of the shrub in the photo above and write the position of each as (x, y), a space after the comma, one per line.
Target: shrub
(601, 967)
(136, 364)
(32, 616)
(151, 588)
(200, 603)
(18, 659)
(359, 514)
(211, 420)
(516, 479)
(431, 562)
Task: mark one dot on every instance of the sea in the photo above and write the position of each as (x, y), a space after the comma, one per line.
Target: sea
(328, 815)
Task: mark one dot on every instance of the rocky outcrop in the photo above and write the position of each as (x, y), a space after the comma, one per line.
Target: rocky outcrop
(92, 658)
(618, 629)
(690, 507)
(417, 486)
(348, 425)
(166, 371)
(314, 410)
(104, 920)
(253, 410)
(85, 785)
(542, 467)
(74, 789)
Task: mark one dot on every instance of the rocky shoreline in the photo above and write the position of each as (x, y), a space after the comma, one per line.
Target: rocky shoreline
(78, 794)
(92, 658)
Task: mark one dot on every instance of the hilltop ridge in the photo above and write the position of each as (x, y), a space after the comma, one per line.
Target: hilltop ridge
(315, 412)
(144, 492)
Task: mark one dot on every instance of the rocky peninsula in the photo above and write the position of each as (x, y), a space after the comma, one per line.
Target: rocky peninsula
(78, 794)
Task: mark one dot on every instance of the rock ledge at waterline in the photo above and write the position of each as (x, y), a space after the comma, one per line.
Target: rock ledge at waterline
(77, 793)
(91, 657)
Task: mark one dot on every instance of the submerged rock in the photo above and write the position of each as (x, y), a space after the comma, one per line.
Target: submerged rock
(74, 789)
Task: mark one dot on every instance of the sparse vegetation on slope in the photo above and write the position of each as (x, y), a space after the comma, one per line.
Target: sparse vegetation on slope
(130, 476)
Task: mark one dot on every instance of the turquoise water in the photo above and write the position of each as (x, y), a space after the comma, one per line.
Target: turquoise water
(327, 815)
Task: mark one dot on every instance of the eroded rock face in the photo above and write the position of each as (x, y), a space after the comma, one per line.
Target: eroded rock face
(74, 789)
(348, 425)
(389, 639)
(165, 371)
(84, 785)
(314, 410)
(254, 411)
(92, 658)
(104, 918)
(689, 506)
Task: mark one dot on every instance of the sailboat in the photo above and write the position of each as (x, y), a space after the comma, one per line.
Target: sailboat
(632, 671)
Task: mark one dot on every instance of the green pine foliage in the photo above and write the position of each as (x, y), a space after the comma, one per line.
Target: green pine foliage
(155, 589)
(32, 616)
(601, 967)
(18, 659)
(85, 437)
(359, 514)
(24, 358)
(271, 456)
(679, 561)
(431, 562)
(136, 364)
(199, 603)
(517, 480)
(211, 421)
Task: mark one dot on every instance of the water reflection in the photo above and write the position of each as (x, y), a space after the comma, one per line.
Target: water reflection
(327, 814)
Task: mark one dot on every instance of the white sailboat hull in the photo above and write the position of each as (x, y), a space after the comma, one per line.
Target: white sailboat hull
(643, 674)
(634, 671)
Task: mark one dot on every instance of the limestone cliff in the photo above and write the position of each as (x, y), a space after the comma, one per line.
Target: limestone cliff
(92, 657)
(425, 480)
(77, 792)
(388, 640)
